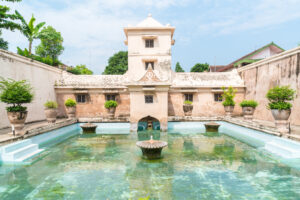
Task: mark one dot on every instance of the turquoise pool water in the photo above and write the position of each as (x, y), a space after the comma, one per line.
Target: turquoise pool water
(195, 165)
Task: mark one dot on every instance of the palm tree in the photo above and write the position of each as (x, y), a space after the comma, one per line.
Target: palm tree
(5, 19)
(6, 22)
(29, 30)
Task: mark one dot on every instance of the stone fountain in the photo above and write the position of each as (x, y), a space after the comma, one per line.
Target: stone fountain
(88, 127)
(212, 127)
(151, 149)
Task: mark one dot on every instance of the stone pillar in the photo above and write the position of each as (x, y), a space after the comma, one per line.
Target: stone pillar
(133, 126)
(163, 124)
(283, 127)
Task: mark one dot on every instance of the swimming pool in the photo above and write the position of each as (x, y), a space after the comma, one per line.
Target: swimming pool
(237, 163)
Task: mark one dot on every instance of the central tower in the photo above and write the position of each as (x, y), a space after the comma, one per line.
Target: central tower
(149, 72)
(149, 45)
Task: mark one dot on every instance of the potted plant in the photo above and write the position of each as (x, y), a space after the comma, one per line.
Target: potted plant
(228, 97)
(187, 108)
(111, 107)
(248, 107)
(16, 93)
(50, 111)
(278, 97)
(71, 108)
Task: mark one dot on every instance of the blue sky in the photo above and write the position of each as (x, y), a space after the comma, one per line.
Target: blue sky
(212, 31)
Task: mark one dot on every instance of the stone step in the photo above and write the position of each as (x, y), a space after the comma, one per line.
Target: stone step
(21, 153)
(16, 145)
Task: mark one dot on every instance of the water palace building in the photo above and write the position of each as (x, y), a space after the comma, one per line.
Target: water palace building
(150, 88)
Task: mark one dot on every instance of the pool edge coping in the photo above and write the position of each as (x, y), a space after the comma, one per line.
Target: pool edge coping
(240, 122)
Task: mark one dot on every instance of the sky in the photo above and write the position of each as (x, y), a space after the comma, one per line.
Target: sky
(212, 31)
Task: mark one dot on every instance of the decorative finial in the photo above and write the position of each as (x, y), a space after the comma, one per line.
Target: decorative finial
(149, 15)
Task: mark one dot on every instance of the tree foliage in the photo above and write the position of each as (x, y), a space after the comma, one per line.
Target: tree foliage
(3, 43)
(278, 97)
(178, 68)
(51, 43)
(50, 104)
(187, 102)
(110, 104)
(29, 30)
(200, 67)
(80, 70)
(228, 96)
(70, 103)
(15, 93)
(117, 64)
(7, 22)
(249, 103)
(47, 60)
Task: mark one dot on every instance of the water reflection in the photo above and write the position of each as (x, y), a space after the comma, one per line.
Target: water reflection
(194, 166)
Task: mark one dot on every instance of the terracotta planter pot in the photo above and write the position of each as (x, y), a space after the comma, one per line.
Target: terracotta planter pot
(187, 109)
(51, 114)
(111, 112)
(228, 110)
(281, 114)
(17, 119)
(248, 112)
(71, 111)
(281, 120)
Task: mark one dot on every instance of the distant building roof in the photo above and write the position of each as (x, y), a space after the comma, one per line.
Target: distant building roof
(149, 23)
(207, 79)
(92, 81)
(251, 57)
(181, 79)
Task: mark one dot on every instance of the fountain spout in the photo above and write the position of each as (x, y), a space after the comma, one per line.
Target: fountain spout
(151, 149)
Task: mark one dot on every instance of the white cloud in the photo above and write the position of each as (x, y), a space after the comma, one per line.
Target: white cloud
(92, 29)
(249, 15)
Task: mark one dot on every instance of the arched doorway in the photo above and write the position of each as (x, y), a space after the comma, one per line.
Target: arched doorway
(148, 123)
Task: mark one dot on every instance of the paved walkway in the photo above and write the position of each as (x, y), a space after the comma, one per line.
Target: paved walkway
(294, 129)
(34, 128)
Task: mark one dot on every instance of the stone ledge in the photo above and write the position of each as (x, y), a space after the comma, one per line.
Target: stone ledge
(49, 127)
(30, 132)
(103, 119)
(248, 124)
(294, 137)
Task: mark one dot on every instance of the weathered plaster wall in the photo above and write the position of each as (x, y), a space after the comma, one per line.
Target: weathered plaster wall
(94, 107)
(42, 78)
(158, 109)
(281, 69)
(160, 54)
(203, 104)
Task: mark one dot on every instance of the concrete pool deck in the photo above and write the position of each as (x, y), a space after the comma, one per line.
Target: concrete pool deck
(40, 127)
(33, 129)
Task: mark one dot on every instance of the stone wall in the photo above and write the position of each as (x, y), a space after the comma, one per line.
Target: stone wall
(203, 104)
(41, 77)
(259, 77)
(140, 109)
(94, 107)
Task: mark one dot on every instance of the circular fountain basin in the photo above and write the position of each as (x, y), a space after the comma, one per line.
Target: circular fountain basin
(151, 149)
(88, 128)
(212, 127)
